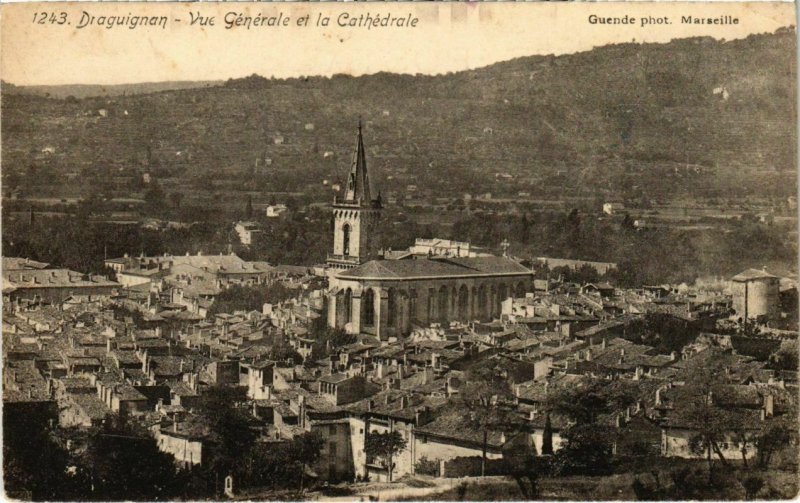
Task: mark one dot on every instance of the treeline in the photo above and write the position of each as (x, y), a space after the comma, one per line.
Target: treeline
(120, 461)
(648, 256)
(304, 236)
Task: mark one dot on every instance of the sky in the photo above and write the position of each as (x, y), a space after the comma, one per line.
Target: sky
(447, 37)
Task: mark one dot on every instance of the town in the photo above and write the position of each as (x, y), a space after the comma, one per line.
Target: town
(442, 370)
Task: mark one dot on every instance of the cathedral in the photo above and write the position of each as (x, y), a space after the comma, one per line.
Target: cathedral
(387, 297)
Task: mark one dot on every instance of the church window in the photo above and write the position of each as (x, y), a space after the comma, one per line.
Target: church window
(369, 307)
(346, 240)
(392, 307)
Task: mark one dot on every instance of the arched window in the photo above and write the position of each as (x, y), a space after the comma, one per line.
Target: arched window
(346, 240)
(463, 303)
(482, 302)
(392, 307)
(502, 293)
(348, 305)
(443, 301)
(368, 307)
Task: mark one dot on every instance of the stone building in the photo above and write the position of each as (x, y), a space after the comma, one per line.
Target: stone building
(385, 297)
(756, 295)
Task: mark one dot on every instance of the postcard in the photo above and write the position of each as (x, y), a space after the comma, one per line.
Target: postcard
(399, 251)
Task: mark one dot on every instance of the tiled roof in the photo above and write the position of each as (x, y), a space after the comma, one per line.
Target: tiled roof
(91, 405)
(752, 274)
(435, 267)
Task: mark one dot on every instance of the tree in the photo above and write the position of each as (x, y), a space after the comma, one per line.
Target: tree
(486, 396)
(745, 437)
(124, 463)
(752, 485)
(384, 445)
(547, 437)
(250, 298)
(711, 423)
(155, 198)
(772, 438)
(584, 404)
(587, 451)
(285, 464)
(33, 461)
(305, 450)
(248, 210)
(526, 469)
(231, 436)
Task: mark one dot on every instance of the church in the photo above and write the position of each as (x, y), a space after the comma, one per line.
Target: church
(372, 294)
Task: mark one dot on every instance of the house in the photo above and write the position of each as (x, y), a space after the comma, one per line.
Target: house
(753, 407)
(450, 436)
(54, 286)
(185, 441)
(275, 210)
(247, 231)
(342, 388)
(612, 208)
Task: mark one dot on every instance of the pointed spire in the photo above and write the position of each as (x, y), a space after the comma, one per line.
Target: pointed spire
(358, 188)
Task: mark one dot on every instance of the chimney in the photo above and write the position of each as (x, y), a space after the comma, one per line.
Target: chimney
(673, 356)
(589, 355)
(622, 351)
(763, 415)
(160, 404)
(401, 372)
(380, 371)
(370, 405)
(603, 344)
(175, 426)
(404, 402)
(769, 405)
(658, 396)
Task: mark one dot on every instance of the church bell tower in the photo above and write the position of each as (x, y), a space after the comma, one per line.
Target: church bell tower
(355, 215)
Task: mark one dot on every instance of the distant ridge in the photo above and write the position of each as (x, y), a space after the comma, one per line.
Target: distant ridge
(100, 90)
(695, 118)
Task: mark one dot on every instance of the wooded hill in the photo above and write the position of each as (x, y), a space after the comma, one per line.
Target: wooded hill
(693, 118)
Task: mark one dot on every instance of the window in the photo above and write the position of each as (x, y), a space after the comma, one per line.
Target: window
(368, 307)
(332, 429)
(346, 240)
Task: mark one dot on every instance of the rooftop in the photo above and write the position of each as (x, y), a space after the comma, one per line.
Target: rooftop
(435, 268)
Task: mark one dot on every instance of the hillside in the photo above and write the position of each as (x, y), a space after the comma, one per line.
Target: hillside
(694, 118)
(95, 90)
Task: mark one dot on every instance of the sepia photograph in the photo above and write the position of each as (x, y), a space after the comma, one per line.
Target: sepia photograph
(420, 251)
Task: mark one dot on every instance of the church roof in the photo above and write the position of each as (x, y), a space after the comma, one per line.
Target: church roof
(435, 268)
(357, 188)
